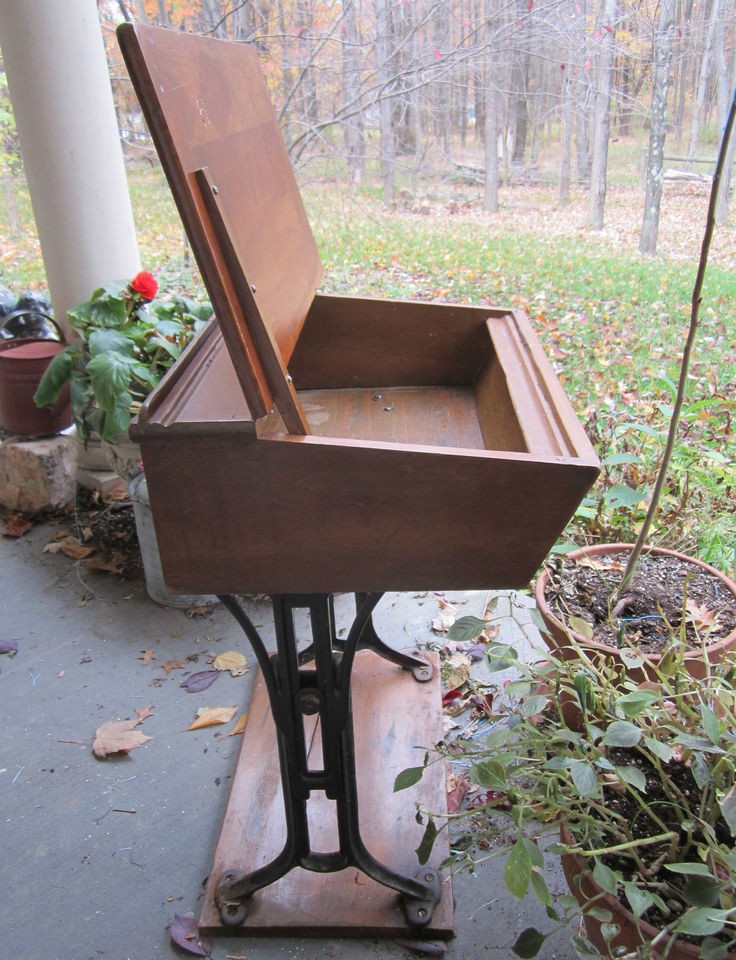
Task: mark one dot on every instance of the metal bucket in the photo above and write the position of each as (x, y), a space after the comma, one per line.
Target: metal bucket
(23, 362)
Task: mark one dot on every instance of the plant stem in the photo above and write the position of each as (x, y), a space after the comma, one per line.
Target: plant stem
(686, 355)
(619, 847)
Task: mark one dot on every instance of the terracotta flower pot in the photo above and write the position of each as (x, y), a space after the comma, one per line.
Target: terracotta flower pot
(631, 933)
(559, 634)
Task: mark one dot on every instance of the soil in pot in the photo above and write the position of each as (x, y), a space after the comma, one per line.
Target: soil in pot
(651, 613)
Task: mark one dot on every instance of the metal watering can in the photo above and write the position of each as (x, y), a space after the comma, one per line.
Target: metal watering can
(23, 361)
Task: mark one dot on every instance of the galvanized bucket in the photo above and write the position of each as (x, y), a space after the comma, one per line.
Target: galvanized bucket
(23, 361)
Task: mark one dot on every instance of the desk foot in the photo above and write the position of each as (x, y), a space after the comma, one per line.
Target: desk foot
(369, 640)
(420, 910)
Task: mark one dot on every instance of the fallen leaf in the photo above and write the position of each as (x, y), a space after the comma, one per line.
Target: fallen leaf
(239, 725)
(446, 616)
(170, 665)
(199, 610)
(9, 646)
(74, 549)
(702, 618)
(116, 563)
(184, 932)
(146, 656)
(235, 663)
(457, 787)
(450, 695)
(209, 716)
(200, 681)
(16, 525)
(119, 736)
(455, 671)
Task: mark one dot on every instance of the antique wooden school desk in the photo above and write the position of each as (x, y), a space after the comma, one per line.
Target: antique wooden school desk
(307, 446)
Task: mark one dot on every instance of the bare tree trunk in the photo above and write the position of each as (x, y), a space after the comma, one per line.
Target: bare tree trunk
(441, 38)
(704, 77)
(353, 125)
(581, 92)
(724, 194)
(213, 20)
(384, 47)
(602, 118)
(683, 10)
(657, 129)
(492, 105)
(163, 14)
(567, 117)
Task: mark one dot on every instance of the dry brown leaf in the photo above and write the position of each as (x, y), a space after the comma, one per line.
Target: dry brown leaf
(146, 656)
(232, 661)
(209, 716)
(119, 736)
(170, 665)
(16, 525)
(446, 616)
(116, 563)
(239, 725)
(74, 549)
(455, 671)
(702, 618)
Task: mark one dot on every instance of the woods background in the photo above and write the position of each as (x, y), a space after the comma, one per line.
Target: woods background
(394, 93)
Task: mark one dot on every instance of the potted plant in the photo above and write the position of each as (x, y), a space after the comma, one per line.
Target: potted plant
(632, 785)
(126, 341)
(606, 595)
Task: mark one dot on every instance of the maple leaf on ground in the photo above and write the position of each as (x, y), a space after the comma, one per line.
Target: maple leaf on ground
(119, 736)
(702, 618)
(168, 665)
(146, 656)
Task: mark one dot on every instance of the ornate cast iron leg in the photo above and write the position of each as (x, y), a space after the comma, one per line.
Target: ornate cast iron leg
(295, 691)
(370, 640)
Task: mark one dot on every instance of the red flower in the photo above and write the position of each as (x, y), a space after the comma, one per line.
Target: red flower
(144, 284)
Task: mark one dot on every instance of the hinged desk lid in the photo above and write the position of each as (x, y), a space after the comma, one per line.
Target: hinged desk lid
(217, 135)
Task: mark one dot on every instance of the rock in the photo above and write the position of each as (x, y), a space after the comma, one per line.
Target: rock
(37, 475)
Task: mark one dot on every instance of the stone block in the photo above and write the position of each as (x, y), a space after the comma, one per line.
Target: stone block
(37, 475)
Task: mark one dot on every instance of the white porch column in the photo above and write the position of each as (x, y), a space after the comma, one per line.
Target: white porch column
(61, 94)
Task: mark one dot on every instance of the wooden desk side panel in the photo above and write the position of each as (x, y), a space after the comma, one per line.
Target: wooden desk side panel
(364, 341)
(285, 515)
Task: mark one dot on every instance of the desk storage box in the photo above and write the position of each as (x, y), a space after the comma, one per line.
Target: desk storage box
(311, 443)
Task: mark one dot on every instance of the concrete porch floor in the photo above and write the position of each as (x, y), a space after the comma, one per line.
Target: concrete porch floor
(99, 855)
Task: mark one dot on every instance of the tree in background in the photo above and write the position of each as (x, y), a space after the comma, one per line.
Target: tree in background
(406, 90)
(658, 128)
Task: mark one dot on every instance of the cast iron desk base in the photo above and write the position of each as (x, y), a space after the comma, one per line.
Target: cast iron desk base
(305, 700)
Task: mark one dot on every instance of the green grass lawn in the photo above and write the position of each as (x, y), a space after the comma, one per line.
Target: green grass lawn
(612, 322)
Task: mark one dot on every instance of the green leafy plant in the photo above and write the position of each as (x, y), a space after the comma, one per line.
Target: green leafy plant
(127, 340)
(643, 778)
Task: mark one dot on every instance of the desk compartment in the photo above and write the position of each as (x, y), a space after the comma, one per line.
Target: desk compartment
(442, 452)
